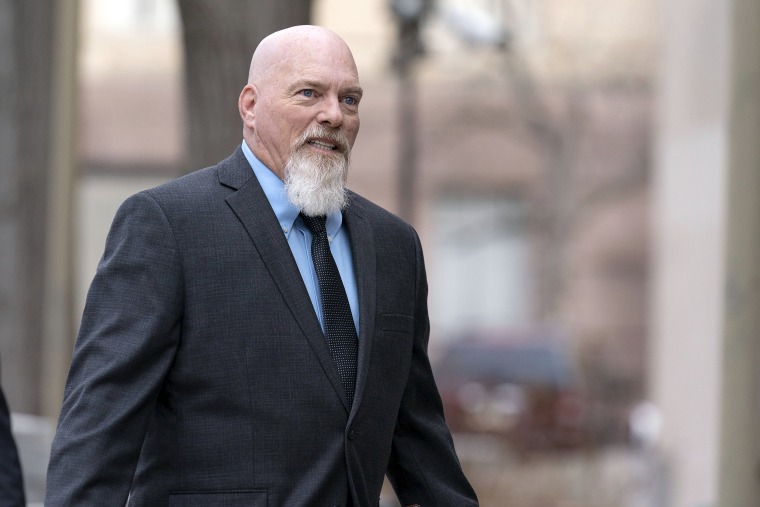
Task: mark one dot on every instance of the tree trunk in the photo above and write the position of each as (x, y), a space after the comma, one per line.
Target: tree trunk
(219, 39)
(25, 104)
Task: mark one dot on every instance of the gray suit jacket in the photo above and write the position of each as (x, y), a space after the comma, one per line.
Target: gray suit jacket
(201, 375)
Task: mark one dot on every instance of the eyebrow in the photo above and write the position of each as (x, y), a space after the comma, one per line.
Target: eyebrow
(355, 90)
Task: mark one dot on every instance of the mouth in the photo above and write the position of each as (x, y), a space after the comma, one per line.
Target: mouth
(322, 145)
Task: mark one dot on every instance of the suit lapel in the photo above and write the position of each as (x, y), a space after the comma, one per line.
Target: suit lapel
(363, 251)
(252, 208)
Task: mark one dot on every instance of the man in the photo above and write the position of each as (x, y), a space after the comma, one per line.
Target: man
(219, 364)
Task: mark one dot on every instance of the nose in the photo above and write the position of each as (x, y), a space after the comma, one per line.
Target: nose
(331, 114)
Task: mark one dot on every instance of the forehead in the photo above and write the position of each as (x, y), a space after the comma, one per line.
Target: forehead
(319, 77)
(329, 65)
(302, 52)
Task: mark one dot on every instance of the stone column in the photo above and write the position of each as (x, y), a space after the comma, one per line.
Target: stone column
(739, 476)
(688, 258)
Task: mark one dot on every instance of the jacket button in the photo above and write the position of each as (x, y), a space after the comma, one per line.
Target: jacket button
(351, 434)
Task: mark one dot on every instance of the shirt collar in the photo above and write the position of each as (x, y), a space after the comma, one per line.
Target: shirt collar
(274, 189)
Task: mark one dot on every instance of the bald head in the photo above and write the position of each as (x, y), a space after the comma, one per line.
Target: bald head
(301, 79)
(281, 47)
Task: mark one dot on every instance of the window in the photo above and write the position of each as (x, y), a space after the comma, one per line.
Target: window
(480, 276)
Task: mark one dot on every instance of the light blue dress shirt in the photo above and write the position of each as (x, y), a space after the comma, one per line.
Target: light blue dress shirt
(299, 238)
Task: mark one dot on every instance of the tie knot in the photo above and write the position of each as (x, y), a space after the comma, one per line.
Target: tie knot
(315, 224)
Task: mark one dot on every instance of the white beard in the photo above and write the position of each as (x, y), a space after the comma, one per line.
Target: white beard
(315, 182)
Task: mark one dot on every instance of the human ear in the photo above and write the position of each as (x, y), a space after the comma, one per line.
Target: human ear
(245, 105)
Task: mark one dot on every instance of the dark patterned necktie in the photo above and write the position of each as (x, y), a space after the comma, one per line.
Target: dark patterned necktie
(336, 313)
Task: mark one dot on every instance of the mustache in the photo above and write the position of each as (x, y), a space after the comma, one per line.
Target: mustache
(336, 137)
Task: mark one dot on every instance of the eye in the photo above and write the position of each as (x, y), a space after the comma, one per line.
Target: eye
(351, 101)
(307, 92)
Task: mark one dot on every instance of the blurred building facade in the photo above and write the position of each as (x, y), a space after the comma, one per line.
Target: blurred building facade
(533, 167)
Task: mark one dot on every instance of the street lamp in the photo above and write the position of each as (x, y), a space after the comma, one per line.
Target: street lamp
(409, 15)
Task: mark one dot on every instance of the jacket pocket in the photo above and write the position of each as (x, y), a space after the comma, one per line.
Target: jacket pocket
(220, 499)
(396, 323)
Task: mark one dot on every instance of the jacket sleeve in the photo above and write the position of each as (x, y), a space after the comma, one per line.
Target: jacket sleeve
(424, 468)
(126, 344)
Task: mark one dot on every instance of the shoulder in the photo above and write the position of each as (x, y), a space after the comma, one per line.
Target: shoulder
(197, 183)
(376, 216)
(392, 235)
(210, 184)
